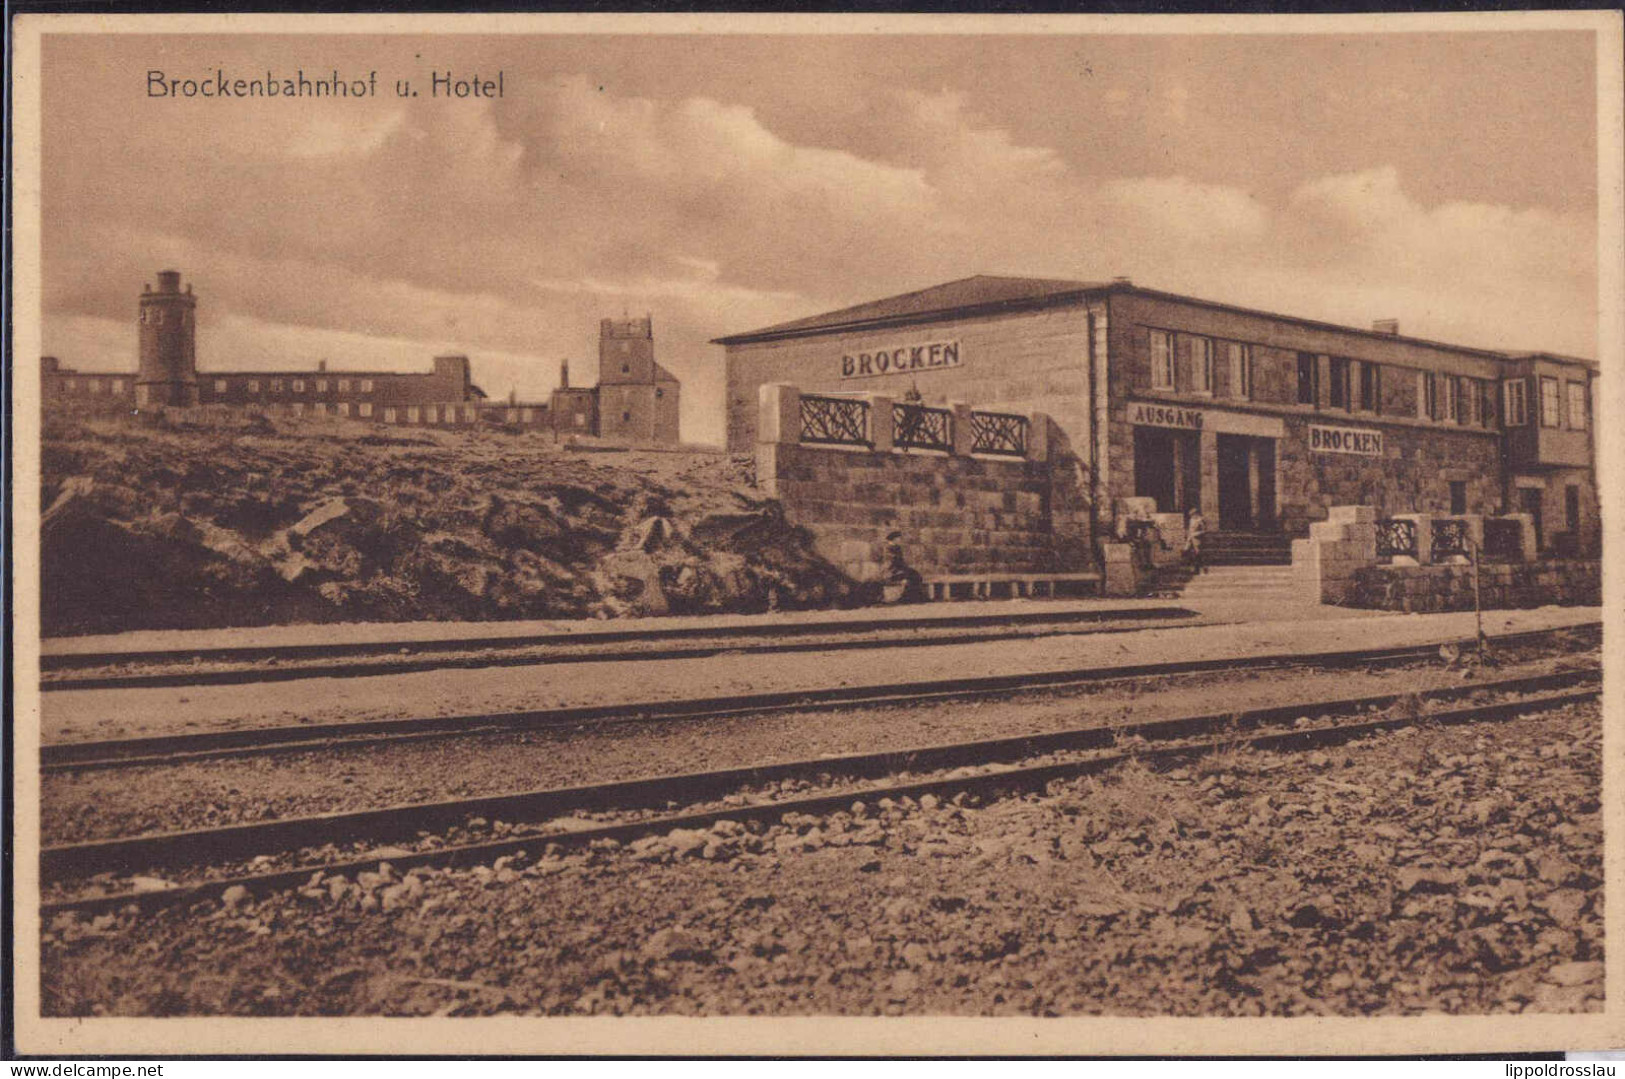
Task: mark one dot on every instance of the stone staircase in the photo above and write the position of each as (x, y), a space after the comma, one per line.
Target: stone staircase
(1247, 549)
(1258, 583)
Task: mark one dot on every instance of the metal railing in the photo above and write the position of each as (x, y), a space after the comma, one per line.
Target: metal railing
(1001, 433)
(1450, 537)
(922, 427)
(1396, 537)
(840, 421)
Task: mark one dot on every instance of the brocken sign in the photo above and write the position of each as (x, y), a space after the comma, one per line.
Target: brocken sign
(1345, 440)
(891, 361)
(1189, 419)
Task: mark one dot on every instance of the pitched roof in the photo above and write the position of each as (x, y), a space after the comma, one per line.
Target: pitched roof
(983, 290)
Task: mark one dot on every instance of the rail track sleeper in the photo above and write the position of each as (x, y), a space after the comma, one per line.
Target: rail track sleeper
(1037, 776)
(396, 822)
(56, 756)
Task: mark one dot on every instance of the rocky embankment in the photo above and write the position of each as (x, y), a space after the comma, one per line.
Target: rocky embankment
(258, 522)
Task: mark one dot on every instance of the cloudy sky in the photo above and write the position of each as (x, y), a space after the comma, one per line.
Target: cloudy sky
(725, 183)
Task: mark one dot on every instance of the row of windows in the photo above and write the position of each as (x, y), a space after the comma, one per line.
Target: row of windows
(1356, 386)
(298, 385)
(155, 315)
(1238, 357)
(1551, 407)
(93, 385)
(420, 414)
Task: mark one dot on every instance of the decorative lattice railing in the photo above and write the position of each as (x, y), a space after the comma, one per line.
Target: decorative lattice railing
(834, 420)
(1396, 537)
(1449, 537)
(1000, 433)
(920, 427)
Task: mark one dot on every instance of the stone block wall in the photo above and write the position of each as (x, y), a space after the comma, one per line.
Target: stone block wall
(957, 513)
(1426, 589)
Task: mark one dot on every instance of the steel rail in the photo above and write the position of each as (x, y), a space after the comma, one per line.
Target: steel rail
(235, 842)
(383, 666)
(163, 749)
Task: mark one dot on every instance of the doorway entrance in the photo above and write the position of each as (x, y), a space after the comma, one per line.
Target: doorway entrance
(1167, 468)
(1246, 475)
(1529, 500)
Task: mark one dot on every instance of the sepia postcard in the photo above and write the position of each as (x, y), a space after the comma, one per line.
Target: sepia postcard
(816, 535)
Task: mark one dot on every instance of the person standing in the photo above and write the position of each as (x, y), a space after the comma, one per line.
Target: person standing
(1195, 531)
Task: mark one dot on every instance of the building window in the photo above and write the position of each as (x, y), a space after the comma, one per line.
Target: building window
(344, 408)
(276, 385)
(469, 414)
(1458, 497)
(1162, 360)
(1339, 389)
(70, 385)
(512, 415)
(298, 408)
(321, 385)
(626, 417)
(1202, 364)
(389, 414)
(365, 409)
(298, 385)
(1427, 396)
(412, 414)
(1462, 387)
(344, 385)
(1515, 402)
(253, 385)
(1550, 412)
(118, 385)
(158, 316)
(219, 385)
(1240, 358)
(1577, 406)
(581, 419)
(659, 393)
(95, 385)
(366, 385)
(1486, 403)
(526, 415)
(143, 316)
(1308, 378)
(1370, 387)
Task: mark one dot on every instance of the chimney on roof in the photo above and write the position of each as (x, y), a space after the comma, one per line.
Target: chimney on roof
(321, 365)
(564, 374)
(1123, 281)
(1386, 325)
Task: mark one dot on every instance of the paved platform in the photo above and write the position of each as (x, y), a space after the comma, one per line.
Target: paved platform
(580, 631)
(71, 715)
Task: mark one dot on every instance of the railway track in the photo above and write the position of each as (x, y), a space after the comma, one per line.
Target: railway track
(646, 806)
(349, 660)
(175, 748)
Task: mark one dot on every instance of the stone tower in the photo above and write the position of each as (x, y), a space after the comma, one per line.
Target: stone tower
(626, 350)
(168, 371)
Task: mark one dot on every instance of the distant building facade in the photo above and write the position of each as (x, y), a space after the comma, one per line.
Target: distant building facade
(641, 396)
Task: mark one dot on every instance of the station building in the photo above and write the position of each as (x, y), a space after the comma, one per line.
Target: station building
(1263, 421)
(637, 401)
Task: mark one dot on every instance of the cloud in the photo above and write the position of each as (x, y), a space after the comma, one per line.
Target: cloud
(388, 233)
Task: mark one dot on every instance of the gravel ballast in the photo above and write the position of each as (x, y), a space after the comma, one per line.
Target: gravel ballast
(1451, 870)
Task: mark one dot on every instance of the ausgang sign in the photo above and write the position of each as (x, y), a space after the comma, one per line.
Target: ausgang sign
(1188, 419)
(892, 361)
(1345, 440)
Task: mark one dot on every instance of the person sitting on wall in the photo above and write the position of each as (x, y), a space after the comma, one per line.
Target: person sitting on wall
(1140, 531)
(1195, 529)
(900, 583)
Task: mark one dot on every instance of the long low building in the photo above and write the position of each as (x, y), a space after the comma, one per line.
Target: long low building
(636, 399)
(1263, 421)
